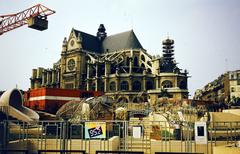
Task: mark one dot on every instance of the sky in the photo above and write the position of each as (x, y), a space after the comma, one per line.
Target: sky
(206, 34)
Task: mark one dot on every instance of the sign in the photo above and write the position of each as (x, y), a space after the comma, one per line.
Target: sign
(137, 131)
(201, 133)
(95, 130)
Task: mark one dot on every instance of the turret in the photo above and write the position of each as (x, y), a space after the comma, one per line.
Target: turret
(64, 45)
(101, 34)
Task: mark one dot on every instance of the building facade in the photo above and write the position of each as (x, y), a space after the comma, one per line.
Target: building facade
(223, 89)
(234, 84)
(117, 65)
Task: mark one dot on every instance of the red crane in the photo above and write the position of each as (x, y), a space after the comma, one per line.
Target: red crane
(35, 17)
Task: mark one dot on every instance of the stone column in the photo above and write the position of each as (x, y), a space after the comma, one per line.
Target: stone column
(107, 68)
(96, 81)
(88, 70)
(53, 76)
(130, 65)
(130, 84)
(117, 84)
(96, 70)
(58, 78)
(144, 80)
(43, 78)
(96, 84)
(106, 84)
(88, 76)
(88, 86)
(47, 73)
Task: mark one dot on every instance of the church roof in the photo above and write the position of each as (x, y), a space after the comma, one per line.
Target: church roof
(89, 42)
(124, 40)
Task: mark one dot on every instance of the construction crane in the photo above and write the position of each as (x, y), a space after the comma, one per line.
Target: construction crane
(35, 17)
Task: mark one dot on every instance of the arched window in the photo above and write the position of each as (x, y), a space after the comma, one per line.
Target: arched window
(128, 61)
(93, 72)
(122, 100)
(167, 84)
(93, 86)
(149, 85)
(101, 86)
(232, 89)
(136, 86)
(112, 86)
(149, 63)
(143, 66)
(124, 85)
(135, 61)
(135, 100)
(143, 58)
(113, 68)
(149, 71)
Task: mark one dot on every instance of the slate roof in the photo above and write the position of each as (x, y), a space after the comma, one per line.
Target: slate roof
(124, 40)
(89, 42)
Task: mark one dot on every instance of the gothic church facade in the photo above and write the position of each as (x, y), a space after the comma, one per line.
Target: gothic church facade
(116, 65)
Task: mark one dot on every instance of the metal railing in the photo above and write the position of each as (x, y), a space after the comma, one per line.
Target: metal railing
(155, 136)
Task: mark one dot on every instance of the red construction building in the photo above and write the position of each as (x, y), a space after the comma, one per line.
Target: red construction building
(51, 99)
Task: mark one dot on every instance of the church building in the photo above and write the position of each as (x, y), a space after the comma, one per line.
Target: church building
(116, 65)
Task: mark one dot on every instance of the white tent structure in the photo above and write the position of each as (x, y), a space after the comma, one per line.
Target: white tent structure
(12, 102)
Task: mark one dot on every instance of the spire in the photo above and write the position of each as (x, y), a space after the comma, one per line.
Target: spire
(64, 45)
(101, 34)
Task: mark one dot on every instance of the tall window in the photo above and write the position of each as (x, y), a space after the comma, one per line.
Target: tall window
(135, 61)
(149, 85)
(182, 85)
(93, 86)
(142, 58)
(101, 86)
(113, 86)
(128, 61)
(124, 85)
(167, 84)
(136, 86)
(238, 79)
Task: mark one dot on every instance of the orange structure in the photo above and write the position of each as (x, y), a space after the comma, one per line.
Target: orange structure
(51, 99)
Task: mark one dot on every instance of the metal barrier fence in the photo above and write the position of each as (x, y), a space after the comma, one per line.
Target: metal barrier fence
(13, 151)
(92, 136)
(118, 152)
(61, 151)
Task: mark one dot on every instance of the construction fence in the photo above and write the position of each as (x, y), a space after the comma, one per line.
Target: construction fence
(130, 136)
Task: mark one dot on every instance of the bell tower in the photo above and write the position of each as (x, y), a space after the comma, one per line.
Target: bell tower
(168, 63)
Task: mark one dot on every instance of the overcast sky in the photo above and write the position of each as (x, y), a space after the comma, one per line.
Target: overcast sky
(206, 34)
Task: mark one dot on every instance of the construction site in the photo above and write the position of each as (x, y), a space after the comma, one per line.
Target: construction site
(106, 95)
